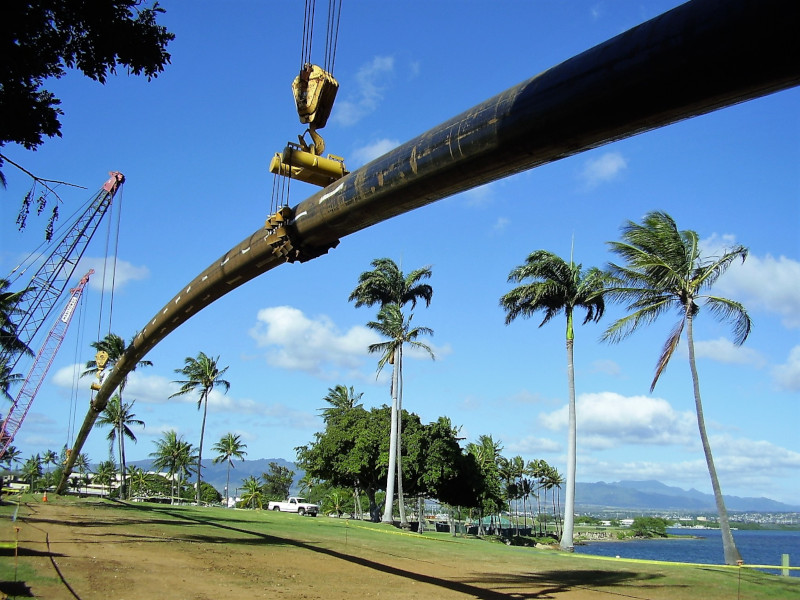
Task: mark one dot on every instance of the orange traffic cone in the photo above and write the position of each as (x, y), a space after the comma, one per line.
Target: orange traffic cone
(44, 498)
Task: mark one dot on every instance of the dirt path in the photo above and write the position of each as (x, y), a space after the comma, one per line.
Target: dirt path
(99, 550)
(88, 556)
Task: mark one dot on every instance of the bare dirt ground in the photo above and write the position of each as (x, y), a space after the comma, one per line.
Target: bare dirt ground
(85, 552)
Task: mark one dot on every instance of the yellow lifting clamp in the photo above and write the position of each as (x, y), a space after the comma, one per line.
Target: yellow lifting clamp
(297, 163)
(101, 360)
(314, 91)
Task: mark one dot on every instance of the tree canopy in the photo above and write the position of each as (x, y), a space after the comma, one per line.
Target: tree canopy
(42, 39)
(353, 452)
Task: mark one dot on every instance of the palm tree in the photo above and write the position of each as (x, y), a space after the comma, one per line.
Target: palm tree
(664, 270)
(82, 465)
(140, 481)
(252, 494)
(11, 456)
(512, 470)
(106, 473)
(10, 344)
(7, 379)
(487, 455)
(173, 455)
(118, 415)
(553, 480)
(551, 285)
(386, 284)
(537, 470)
(392, 324)
(202, 373)
(230, 446)
(114, 346)
(50, 457)
(32, 470)
(341, 399)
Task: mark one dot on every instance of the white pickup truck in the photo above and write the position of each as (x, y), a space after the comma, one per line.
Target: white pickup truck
(295, 505)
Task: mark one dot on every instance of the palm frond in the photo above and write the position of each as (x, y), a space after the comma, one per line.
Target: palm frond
(729, 310)
(706, 275)
(645, 312)
(667, 351)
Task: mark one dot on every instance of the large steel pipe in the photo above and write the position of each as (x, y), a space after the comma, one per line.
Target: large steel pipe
(696, 58)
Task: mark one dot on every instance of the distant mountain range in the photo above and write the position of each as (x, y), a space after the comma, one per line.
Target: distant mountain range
(241, 470)
(654, 495)
(631, 495)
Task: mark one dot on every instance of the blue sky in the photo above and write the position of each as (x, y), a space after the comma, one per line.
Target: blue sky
(195, 144)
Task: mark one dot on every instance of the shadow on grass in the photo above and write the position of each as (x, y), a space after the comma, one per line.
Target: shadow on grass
(23, 551)
(15, 589)
(546, 583)
(543, 584)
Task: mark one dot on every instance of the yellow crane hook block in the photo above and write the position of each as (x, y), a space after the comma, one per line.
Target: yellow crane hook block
(305, 166)
(314, 91)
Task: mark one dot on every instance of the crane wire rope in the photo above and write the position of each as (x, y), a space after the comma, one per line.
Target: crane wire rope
(332, 33)
(281, 191)
(112, 235)
(76, 368)
(39, 252)
(114, 264)
(308, 32)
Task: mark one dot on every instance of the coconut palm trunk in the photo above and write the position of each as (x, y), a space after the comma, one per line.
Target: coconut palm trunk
(123, 488)
(569, 502)
(400, 504)
(390, 480)
(200, 448)
(730, 551)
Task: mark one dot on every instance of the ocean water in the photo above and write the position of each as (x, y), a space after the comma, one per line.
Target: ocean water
(756, 548)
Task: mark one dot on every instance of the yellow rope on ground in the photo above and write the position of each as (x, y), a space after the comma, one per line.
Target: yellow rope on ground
(592, 556)
(681, 564)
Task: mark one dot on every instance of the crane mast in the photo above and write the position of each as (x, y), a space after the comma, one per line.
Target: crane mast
(41, 365)
(49, 282)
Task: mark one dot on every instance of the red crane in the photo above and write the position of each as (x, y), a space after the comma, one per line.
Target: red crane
(55, 272)
(41, 365)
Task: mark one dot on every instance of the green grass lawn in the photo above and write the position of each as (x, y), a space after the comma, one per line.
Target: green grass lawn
(367, 544)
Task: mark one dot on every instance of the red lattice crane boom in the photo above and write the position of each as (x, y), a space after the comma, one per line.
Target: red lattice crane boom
(41, 365)
(55, 272)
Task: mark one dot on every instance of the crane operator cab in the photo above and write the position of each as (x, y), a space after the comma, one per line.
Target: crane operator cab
(314, 92)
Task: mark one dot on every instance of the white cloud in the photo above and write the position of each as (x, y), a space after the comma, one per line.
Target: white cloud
(151, 389)
(369, 92)
(500, 224)
(736, 455)
(608, 419)
(108, 274)
(606, 366)
(278, 414)
(787, 375)
(534, 445)
(482, 195)
(603, 169)
(725, 351)
(65, 376)
(147, 389)
(365, 154)
(765, 283)
(315, 346)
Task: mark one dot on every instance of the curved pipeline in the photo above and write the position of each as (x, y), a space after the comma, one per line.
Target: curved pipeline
(696, 58)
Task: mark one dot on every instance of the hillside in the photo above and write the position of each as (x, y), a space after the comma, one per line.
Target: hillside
(654, 495)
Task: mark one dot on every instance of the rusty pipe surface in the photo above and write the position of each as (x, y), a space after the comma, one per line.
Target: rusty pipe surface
(694, 59)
